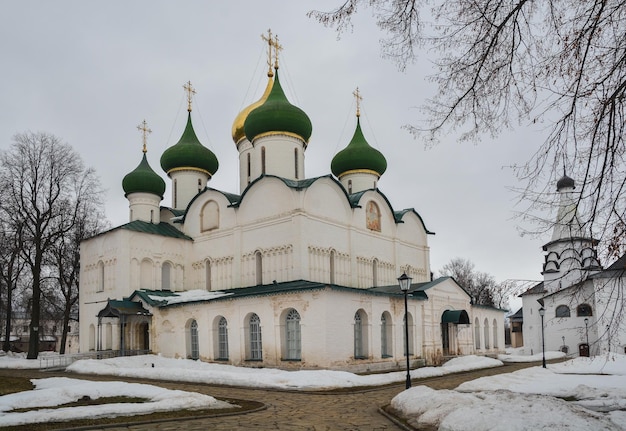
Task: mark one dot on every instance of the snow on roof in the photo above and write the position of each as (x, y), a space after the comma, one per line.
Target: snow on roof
(188, 296)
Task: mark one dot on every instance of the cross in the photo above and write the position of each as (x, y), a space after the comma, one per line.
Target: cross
(190, 92)
(358, 97)
(143, 128)
(277, 48)
(270, 45)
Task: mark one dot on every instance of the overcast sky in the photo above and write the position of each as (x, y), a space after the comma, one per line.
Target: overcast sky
(90, 72)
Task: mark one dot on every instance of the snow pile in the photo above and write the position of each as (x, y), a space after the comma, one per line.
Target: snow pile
(532, 398)
(18, 360)
(513, 357)
(160, 368)
(57, 391)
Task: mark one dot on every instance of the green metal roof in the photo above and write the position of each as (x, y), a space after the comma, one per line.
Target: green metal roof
(276, 114)
(455, 316)
(189, 153)
(358, 155)
(163, 229)
(125, 307)
(143, 179)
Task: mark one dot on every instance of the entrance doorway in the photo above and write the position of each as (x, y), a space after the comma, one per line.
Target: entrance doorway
(583, 350)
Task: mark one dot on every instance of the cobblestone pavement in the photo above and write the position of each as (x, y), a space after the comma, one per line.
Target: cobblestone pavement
(298, 411)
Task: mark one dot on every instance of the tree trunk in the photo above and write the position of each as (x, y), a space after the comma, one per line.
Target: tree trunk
(33, 344)
(6, 345)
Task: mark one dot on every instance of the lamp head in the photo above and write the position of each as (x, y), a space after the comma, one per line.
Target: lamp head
(542, 311)
(405, 282)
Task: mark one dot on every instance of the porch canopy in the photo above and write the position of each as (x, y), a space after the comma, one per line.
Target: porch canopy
(125, 307)
(458, 317)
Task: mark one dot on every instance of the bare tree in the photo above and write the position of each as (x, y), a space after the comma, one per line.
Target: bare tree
(500, 63)
(45, 186)
(480, 285)
(11, 266)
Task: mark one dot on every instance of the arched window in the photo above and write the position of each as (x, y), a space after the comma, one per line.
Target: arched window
(495, 334)
(193, 349)
(199, 184)
(332, 266)
(210, 216)
(92, 337)
(385, 335)
(292, 335)
(584, 310)
(477, 334)
(248, 170)
(165, 276)
(295, 162)
(349, 187)
(486, 328)
(100, 276)
(359, 349)
(255, 345)
(175, 193)
(146, 275)
(375, 273)
(263, 160)
(222, 339)
(207, 281)
(562, 311)
(259, 267)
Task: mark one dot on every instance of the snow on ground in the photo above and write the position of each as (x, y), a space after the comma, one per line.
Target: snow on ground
(57, 391)
(530, 358)
(160, 368)
(580, 394)
(533, 398)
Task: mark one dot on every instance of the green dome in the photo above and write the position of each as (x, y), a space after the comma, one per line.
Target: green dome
(277, 115)
(189, 153)
(358, 155)
(143, 179)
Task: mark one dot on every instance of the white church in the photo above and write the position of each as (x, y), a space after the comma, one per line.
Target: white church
(290, 272)
(581, 302)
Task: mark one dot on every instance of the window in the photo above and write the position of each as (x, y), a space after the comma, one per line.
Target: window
(292, 335)
(255, 343)
(207, 282)
(562, 311)
(263, 160)
(175, 193)
(259, 268)
(222, 339)
(100, 277)
(349, 187)
(295, 162)
(248, 169)
(332, 266)
(358, 336)
(209, 216)
(477, 334)
(385, 335)
(165, 276)
(375, 273)
(410, 331)
(199, 184)
(486, 328)
(584, 310)
(193, 350)
(495, 334)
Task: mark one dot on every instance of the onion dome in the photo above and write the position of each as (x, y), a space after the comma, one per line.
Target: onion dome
(189, 153)
(565, 182)
(277, 115)
(143, 179)
(238, 132)
(358, 156)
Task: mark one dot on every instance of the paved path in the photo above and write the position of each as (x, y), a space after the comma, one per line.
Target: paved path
(296, 411)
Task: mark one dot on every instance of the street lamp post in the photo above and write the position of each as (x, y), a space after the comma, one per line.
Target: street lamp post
(405, 284)
(542, 312)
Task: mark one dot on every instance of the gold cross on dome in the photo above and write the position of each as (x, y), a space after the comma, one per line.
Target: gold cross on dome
(190, 92)
(143, 128)
(277, 48)
(270, 45)
(358, 98)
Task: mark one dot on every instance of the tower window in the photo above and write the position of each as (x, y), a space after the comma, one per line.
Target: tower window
(263, 160)
(295, 161)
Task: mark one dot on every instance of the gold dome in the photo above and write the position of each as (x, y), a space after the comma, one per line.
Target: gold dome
(237, 130)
